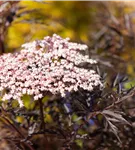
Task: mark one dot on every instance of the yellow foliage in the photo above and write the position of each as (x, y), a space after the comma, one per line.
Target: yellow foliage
(38, 19)
(28, 102)
(48, 118)
(20, 119)
(16, 34)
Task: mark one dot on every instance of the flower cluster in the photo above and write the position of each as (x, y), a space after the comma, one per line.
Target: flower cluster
(48, 65)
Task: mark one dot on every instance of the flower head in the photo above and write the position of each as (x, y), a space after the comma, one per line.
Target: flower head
(48, 65)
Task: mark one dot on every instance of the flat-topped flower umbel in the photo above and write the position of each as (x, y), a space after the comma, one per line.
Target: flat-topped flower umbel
(48, 65)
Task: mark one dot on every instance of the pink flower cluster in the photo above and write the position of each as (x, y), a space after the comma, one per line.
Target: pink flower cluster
(48, 65)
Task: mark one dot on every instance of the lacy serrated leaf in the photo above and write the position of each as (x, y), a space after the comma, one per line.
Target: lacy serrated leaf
(116, 116)
(114, 129)
(112, 118)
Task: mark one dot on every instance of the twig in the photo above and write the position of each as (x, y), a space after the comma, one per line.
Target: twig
(121, 100)
(16, 129)
(2, 49)
(13, 126)
(41, 114)
(42, 121)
